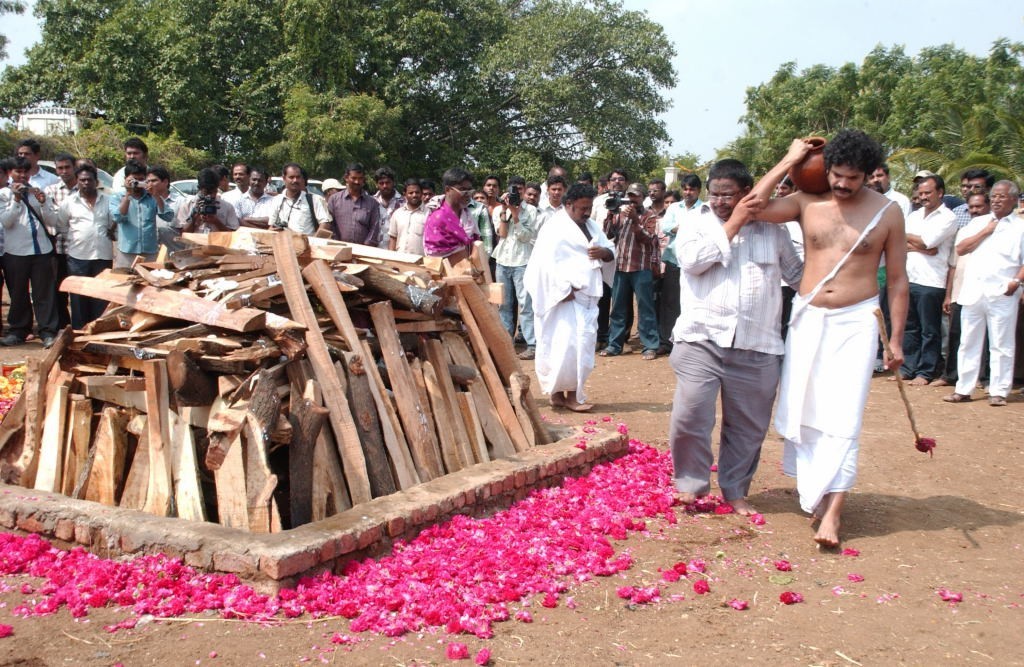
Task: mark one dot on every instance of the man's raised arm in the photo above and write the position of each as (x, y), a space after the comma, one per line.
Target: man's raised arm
(783, 209)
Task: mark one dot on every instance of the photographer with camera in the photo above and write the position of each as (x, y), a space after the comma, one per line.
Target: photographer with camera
(635, 233)
(204, 212)
(27, 259)
(517, 230)
(606, 207)
(135, 212)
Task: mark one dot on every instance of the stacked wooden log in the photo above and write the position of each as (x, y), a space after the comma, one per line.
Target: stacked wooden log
(264, 380)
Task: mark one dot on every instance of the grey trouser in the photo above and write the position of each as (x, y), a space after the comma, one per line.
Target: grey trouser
(747, 381)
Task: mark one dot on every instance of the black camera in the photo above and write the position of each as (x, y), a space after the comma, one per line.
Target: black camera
(514, 199)
(614, 201)
(137, 185)
(206, 204)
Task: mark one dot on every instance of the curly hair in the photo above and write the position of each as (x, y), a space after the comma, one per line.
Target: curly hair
(853, 148)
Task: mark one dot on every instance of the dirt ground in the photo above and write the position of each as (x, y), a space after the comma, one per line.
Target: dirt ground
(919, 524)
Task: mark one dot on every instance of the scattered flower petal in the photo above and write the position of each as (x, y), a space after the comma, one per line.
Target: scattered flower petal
(701, 587)
(855, 578)
(738, 605)
(783, 565)
(457, 651)
(483, 657)
(851, 552)
(949, 596)
(790, 597)
(6, 630)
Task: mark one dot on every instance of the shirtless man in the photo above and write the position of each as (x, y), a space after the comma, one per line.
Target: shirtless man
(833, 335)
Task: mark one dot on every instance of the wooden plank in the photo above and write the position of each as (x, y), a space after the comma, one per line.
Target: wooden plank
(494, 382)
(129, 392)
(188, 495)
(446, 392)
(307, 420)
(347, 438)
(490, 422)
(476, 434)
(260, 482)
(77, 447)
(444, 421)
(49, 472)
(191, 385)
(411, 409)
(320, 277)
(430, 326)
(330, 493)
(158, 494)
(364, 412)
(487, 333)
(391, 425)
(13, 422)
(34, 388)
(111, 444)
(481, 261)
(170, 303)
(229, 480)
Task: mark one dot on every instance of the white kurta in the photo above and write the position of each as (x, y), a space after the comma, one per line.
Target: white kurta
(566, 330)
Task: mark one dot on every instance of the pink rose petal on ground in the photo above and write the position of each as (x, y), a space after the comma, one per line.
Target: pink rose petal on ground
(855, 578)
(623, 429)
(625, 592)
(851, 552)
(757, 519)
(483, 657)
(697, 565)
(524, 616)
(790, 597)
(701, 587)
(670, 576)
(213, 654)
(949, 596)
(724, 508)
(6, 630)
(680, 567)
(457, 651)
(550, 601)
(738, 605)
(783, 565)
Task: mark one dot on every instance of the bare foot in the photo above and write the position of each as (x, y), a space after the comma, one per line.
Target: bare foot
(828, 530)
(557, 399)
(686, 497)
(919, 381)
(575, 405)
(742, 507)
(828, 533)
(938, 383)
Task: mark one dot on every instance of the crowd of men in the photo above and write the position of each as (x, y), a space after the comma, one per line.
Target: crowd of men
(727, 286)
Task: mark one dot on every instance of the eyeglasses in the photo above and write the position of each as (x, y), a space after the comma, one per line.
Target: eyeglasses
(465, 193)
(725, 199)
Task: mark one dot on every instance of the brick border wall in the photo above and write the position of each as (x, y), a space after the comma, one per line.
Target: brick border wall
(278, 560)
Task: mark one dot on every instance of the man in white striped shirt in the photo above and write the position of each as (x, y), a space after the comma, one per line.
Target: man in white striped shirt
(727, 338)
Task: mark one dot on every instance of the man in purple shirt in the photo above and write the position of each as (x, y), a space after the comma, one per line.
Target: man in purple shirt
(355, 213)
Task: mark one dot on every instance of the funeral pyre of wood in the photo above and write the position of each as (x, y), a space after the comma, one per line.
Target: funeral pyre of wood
(264, 380)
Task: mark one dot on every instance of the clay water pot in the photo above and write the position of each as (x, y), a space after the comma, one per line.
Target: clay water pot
(809, 175)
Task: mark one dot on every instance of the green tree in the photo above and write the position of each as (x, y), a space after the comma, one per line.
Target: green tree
(8, 7)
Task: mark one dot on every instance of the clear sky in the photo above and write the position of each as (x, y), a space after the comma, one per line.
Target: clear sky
(724, 46)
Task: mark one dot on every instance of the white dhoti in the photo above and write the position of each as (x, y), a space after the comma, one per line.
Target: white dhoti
(826, 375)
(566, 338)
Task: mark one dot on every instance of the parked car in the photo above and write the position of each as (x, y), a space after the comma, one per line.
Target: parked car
(189, 186)
(106, 180)
(313, 185)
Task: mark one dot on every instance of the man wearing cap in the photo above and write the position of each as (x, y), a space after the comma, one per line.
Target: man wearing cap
(330, 186)
(635, 233)
(930, 231)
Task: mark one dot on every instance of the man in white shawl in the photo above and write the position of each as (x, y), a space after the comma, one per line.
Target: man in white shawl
(833, 332)
(564, 280)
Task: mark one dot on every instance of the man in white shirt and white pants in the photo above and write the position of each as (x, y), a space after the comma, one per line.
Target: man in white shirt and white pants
(989, 295)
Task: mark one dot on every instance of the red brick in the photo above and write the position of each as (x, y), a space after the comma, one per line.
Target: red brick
(30, 524)
(431, 512)
(129, 544)
(200, 558)
(374, 533)
(279, 567)
(396, 526)
(446, 505)
(508, 484)
(346, 543)
(328, 552)
(64, 530)
(459, 501)
(520, 478)
(496, 488)
(531, 476)
(83, 534)
(242, 564)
